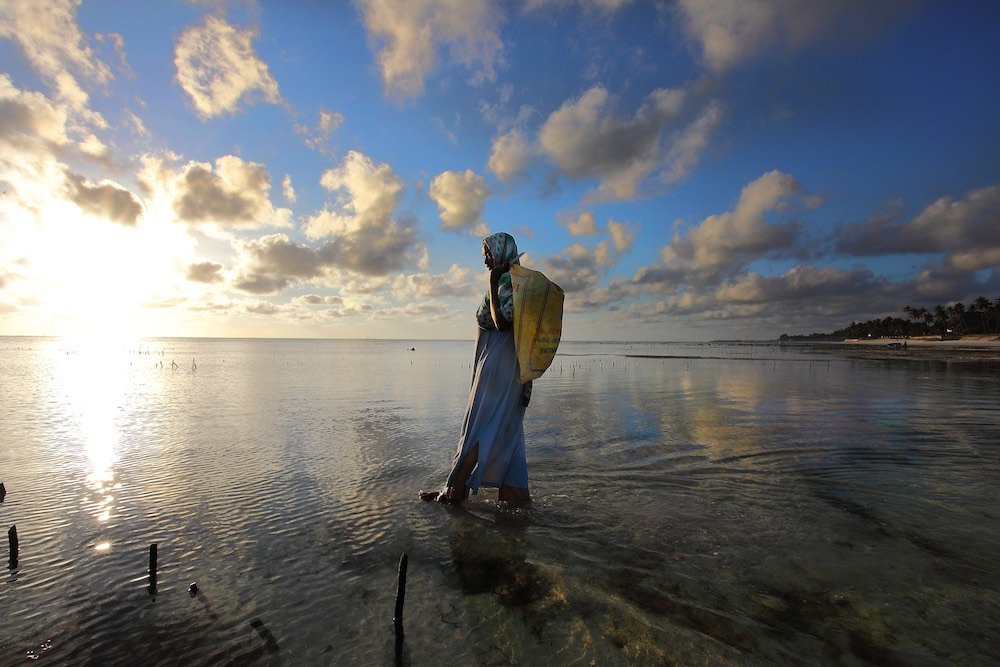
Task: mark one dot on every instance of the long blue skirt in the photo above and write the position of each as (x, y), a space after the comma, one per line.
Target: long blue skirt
(494, 417)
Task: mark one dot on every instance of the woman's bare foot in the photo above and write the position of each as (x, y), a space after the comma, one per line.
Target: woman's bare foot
(454, 494)
(513, 495)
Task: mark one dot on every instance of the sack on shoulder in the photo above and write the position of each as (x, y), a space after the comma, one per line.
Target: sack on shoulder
(538, 313)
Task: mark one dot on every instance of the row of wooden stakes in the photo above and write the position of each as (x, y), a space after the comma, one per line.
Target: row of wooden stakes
(397, 617)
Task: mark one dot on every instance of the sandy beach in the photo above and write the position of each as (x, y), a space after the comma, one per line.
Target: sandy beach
(974, 341)
(967, 349)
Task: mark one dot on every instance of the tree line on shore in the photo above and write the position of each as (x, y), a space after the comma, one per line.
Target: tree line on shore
(981, 316)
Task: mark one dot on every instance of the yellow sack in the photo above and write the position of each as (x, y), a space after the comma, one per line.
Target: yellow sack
(538, 311)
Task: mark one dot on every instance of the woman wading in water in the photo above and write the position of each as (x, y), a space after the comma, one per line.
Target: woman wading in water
(491, 447)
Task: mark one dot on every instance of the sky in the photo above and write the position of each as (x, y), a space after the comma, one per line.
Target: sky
(684, 170)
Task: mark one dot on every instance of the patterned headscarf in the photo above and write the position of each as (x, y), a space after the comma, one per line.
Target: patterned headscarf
(504, 249)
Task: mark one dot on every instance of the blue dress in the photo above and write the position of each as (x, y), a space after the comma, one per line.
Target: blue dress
(494, 418)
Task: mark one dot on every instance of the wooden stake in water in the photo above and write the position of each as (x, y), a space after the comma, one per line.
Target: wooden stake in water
(3, 491)
(152, 568)
(397, 618)
(12, 538)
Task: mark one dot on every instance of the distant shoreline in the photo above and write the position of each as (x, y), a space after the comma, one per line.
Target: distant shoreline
(973, 341)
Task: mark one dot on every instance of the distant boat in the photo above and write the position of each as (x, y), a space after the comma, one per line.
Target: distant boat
(894, 345)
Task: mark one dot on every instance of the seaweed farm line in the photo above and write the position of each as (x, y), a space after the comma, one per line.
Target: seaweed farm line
(692, 503)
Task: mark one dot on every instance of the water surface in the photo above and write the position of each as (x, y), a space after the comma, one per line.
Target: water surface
(749, 504)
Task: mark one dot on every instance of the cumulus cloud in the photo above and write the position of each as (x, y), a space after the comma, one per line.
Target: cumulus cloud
(204, 272)
(461, 198)
(271, 263)
(369, 240)
(584, 224)
(586, 139)
(32, 139)
(257, 307)
(287, 191)
(317, 300)
(968, 228)
(509, 156)
(107, 199)
(804, 296)
(48, 34)
(232, 193)
(726, 241)
(457, 282)
(423, 311)
(29, 123)
(622, 235)
(93, 146)
(799, 283)
(729, 33)
(408, 33)
(579, 267)
(218, 67)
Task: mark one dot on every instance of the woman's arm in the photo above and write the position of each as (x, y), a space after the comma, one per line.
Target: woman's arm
(501, 322)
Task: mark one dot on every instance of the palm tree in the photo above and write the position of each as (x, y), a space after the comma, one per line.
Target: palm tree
(959, 311)
(926, 316)
(983, 305)
(940, 318)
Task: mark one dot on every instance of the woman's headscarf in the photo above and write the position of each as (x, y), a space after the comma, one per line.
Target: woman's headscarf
(504, 249)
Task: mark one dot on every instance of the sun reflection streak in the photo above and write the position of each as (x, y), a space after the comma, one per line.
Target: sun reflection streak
(94, 378)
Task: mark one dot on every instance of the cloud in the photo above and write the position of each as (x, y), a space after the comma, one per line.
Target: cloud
(204, 272)
(32, 134)
(107, 199)
(218, 67)
(287, 191)
(690, 143)
(584, 224)
(729, 34)
(32, 140)
(408, 33)
(317, 300)
(132, 120)
(607, 6)
(579, 267)
(257, 307)
(622, 235)
(509, 156)
(461, 198)
(233, 193)
(369, 240)
(800, 283)
(422, 311)
(968, 228)
(256, 283)
(457, 282)
(271, 263)
(328, 123)
(585, 139)
(48, 34)
(29, 123)
(723, 243)
(804, 296)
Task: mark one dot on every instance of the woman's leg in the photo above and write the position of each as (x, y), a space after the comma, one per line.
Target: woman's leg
(514, 487)
(457, 491)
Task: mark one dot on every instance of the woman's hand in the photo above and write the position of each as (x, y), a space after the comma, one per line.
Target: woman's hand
(499, 320)
(498, 271)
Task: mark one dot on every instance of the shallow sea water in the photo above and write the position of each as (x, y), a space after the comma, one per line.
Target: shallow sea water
(752, 504)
